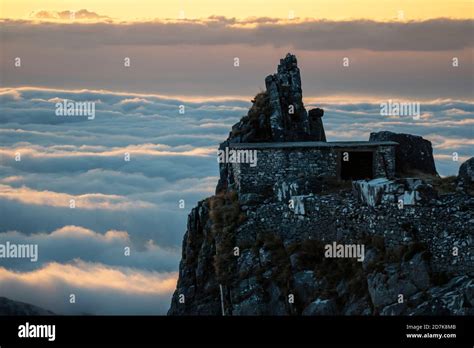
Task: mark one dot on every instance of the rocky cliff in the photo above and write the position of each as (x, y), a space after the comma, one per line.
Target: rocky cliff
(265, 253)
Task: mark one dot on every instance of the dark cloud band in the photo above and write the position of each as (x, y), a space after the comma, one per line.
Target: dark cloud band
(314, 35)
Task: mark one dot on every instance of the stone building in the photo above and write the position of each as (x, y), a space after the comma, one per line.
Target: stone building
(312, 160)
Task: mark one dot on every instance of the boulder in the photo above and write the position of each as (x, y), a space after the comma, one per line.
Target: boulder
(358, 306)
(385, 287)
(316, 124)
(305, 285)
(447, 299)
(321, 307)
(394, 309)
(465, 177)
(371, 256)
(413, 155)
(417, 270)
(409, 191)
(250, 307)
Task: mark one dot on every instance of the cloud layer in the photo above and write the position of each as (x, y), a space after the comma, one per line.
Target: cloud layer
(98, 289)
(114, 248)
(313, 35)
(135, 203)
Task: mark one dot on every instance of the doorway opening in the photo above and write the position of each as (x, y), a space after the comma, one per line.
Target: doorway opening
(357, 165)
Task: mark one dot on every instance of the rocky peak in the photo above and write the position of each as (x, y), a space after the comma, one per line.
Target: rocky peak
(465, 178)
(289, 119)
(278, 114)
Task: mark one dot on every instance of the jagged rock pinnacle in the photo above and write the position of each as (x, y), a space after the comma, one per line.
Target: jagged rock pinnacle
(278, 114)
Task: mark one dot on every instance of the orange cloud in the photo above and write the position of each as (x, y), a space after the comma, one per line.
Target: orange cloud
(68, 15)
(100, 151)
(90, 201)
(81, 232)
(94, 276)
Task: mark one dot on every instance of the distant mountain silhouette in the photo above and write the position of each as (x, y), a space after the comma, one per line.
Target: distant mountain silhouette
(10, 307)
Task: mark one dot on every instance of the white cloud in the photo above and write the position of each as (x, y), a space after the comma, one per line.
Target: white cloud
(98, 288)
(91, 201)
(71, 242)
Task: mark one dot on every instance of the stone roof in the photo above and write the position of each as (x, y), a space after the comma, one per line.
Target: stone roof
(299, 144)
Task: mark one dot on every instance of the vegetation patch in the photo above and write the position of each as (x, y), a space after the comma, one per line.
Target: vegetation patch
(444, 185)
(332, 270)
(225, 215)
(333, 185)
(257, 119)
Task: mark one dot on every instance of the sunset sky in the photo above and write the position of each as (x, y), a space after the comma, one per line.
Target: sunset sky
(396, 48)
(182, 53)
(132, 10)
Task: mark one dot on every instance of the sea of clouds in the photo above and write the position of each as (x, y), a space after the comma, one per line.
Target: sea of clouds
(136, 203)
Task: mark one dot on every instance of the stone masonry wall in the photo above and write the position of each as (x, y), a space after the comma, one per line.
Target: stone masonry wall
(275, 164)
(289, 163)
(343, 218)
(384, 162)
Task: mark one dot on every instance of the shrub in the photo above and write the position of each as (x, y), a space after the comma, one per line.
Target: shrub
(260, 105)
(444, 185)
(333, 185)
(225, 217)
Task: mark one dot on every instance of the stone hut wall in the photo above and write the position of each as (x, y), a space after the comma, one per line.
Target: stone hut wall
(289, 161)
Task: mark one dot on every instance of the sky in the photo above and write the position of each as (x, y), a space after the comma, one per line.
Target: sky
(128, 10)
(187, 58)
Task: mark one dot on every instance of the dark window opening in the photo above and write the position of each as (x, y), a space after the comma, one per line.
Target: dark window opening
(356, 165)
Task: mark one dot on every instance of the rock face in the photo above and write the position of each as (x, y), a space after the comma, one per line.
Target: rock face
(198, 287)
(465, 177)
(281, 253)
(414, 155)
(288, 120)
(10, 307)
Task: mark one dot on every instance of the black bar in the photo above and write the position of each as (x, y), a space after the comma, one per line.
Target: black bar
(135, 330)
